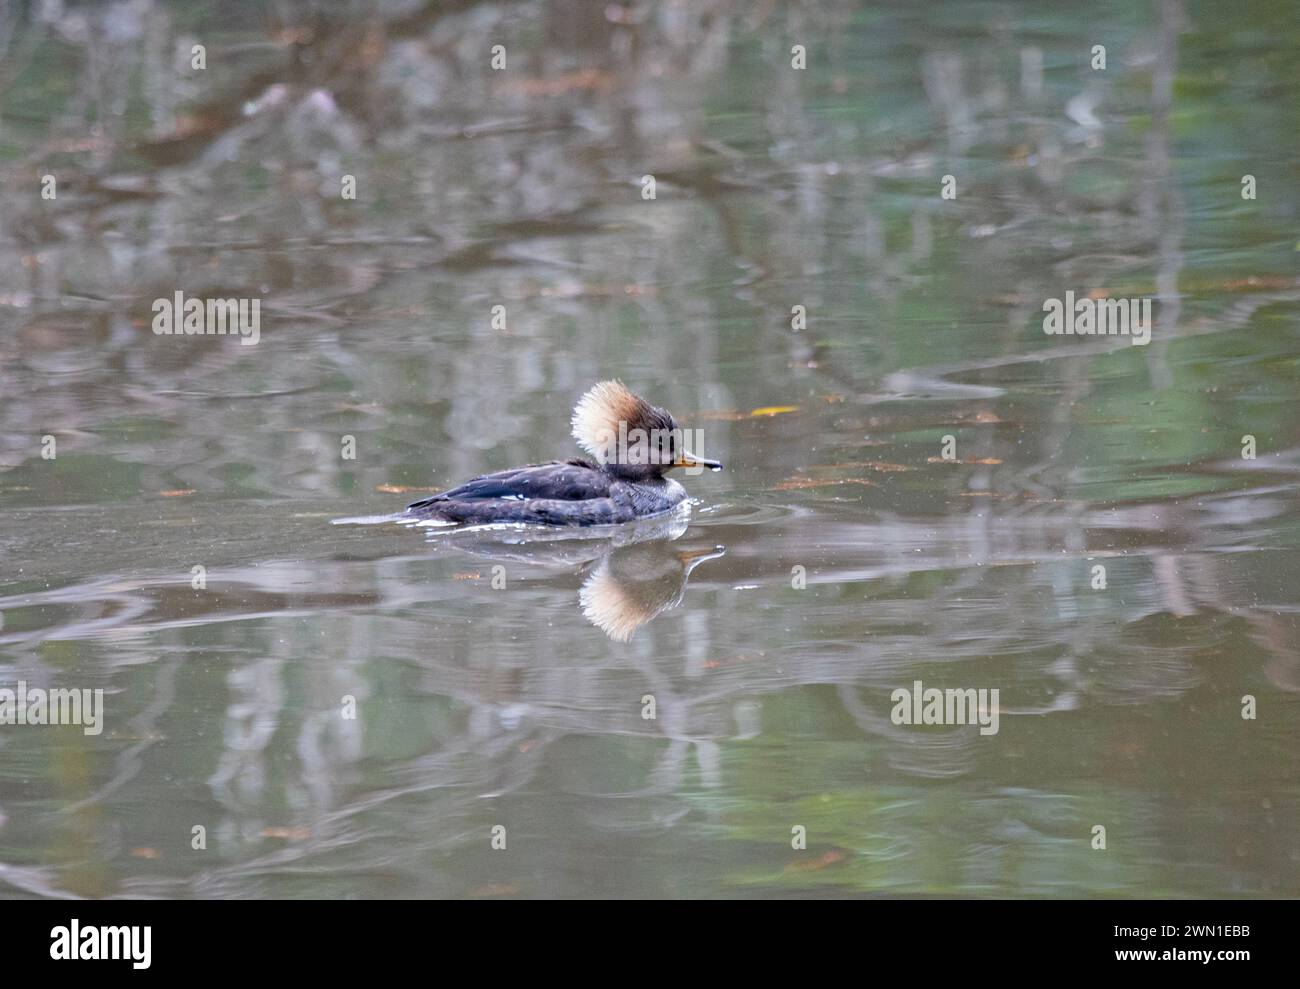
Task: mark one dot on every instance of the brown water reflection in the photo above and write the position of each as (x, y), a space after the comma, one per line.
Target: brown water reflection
(523, 706)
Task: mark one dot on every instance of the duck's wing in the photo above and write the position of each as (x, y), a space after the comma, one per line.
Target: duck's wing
(572, 480)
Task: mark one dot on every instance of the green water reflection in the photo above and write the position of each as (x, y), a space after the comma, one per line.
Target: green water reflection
(522, 707)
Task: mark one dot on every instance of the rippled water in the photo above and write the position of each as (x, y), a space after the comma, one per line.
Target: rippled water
(502, 678)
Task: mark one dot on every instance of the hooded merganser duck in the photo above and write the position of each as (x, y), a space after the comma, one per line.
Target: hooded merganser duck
(634, 444)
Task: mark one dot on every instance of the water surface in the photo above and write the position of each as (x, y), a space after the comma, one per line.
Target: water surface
(500, 679)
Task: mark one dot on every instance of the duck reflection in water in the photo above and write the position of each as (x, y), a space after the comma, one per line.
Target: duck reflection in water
(634, 573)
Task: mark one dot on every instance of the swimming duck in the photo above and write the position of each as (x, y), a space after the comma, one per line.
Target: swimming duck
(633, 444)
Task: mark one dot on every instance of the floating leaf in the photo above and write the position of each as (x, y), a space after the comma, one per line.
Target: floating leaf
(773, 410)
(496, 889)
(820, 862)
(566, 82)
(878, 465)
(713, 664)
(292, 834)
(798, 483)
(405, 489)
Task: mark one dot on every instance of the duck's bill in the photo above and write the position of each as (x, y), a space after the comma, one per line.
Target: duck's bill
(689, 459)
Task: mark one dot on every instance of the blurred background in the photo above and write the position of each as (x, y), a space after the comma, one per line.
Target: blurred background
(775, 188)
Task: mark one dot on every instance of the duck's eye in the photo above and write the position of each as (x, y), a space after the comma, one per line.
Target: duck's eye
(668, 448)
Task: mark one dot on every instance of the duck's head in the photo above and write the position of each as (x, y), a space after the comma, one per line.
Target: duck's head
(630, 437)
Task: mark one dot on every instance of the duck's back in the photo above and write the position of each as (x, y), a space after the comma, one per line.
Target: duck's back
(569, 480)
